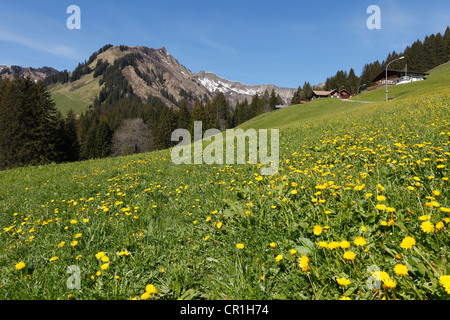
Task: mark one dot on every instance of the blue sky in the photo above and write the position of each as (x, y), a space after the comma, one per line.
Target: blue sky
(255, 42)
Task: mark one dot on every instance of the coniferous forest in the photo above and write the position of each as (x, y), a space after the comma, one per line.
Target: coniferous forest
(33, 131)
(421, 56)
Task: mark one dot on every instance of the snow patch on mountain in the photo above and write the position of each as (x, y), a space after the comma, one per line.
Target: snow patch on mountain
(237, 91)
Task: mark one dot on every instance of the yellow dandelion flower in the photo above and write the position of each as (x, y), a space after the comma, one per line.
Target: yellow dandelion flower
(322, 244)
(401, 269)
(146, 295)
(278, 258)
(100, 254)
(380, 275)
(151, 289)
(53, 259)
(343, 281)
(20, 265)
(240, 246)
(427, 227)
(445, 282)
(389, 283)
(349, 255)
(360, 241)
(317, 230)
(104, 266)
(408, 242)
(344, 244)
(304, 263)
(333, 245)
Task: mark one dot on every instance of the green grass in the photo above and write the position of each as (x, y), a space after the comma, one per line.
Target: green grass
(436, 81)
(180, 225)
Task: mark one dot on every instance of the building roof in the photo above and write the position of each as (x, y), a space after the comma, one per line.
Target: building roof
(323, 93)
(382, 74)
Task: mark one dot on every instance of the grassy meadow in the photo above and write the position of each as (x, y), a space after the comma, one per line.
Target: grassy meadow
(359, 209)
(76, 96)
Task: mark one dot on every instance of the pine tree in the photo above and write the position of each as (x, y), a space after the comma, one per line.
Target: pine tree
(71, 149)
(296, 98)
(211, 119)
(88, 147)
(103, 138)
(352, 81)
(222, 108)
(164, 129)
(275, 100)
(307, 92)
(27, 124)
(183, 115)
(447, 42)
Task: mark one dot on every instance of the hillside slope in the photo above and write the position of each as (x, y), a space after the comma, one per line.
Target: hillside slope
(437, 82)
(157, 73)
(153, 72)
(359, 209)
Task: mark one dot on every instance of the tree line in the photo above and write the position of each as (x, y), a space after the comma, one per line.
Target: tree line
(33, 131)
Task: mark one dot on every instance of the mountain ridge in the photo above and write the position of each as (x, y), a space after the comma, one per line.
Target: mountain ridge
(149, 72)
(35, 74)
(237, 91)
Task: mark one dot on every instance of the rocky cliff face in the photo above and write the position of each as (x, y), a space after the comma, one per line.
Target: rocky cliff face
(34, 74)
(157, 73)
(161, 75)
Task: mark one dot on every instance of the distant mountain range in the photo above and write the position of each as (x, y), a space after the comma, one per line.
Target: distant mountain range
(153, 72)
(235, 91)
(34, 74)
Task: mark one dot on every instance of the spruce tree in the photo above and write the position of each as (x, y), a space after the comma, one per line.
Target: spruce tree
(296, 98)
(27, 124)
(103, 138)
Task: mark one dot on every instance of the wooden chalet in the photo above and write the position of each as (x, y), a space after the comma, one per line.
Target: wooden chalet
(395, 77)
(342, 94)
